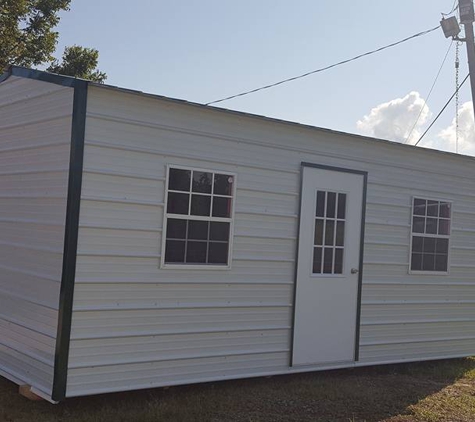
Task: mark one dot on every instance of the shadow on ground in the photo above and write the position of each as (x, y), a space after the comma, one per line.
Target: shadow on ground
(384, 393)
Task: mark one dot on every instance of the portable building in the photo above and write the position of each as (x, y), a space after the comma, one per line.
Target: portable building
(147, 242)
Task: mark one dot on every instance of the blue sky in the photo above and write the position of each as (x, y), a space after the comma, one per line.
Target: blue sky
(208, 49)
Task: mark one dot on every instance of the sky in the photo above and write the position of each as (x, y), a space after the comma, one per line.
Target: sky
(205, 50)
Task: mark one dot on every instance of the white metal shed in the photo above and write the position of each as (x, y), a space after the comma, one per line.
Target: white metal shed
(148, 242)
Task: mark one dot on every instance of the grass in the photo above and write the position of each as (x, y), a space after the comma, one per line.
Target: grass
(431, 391)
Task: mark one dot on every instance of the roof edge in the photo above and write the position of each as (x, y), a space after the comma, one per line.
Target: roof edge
(40, 75)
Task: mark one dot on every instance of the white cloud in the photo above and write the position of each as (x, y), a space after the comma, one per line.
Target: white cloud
(395, 119)
(446, 138)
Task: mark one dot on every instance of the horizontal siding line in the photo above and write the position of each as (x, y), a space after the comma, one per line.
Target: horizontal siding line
(33, 248)
(25, 172)
(188, 306)
(37, 121)
(14, 374)
(456, 211)
(388, 204)
(418, 321)
(18, 322)
(435, 193)
(30, 147)
(102, 227)
(263, 259)
(30, 98)
(254, 142)
(255, 236)
(414, 341)
(123, 362)
(124, 174)
(462, 266)
(400, 264)
(461, 229)
(158, 333)
(29, 300)
(30, 273)
(265, 214)
(385, 243)
(446, 283)
(109, 145)
(28, 353)
(36, 196)
(190, 281)
(461, 248)
(417, 302)
(121, 201)
(386, 223)
(30, 221)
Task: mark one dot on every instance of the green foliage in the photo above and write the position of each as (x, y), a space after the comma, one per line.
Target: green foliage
(27, 37)
(80, 62)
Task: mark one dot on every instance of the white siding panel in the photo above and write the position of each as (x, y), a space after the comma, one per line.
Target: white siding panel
(35, 134)
(136, 326)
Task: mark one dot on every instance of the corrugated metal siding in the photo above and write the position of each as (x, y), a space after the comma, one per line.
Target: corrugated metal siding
(137, 326)
(35, 133)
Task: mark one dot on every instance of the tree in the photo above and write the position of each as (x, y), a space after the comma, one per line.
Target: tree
(27, 38)
(80, 62)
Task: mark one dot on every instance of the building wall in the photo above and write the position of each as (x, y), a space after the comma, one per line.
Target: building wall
(35, 134)
(135, 325)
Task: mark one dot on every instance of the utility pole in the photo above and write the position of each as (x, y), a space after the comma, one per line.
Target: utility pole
(467, 17)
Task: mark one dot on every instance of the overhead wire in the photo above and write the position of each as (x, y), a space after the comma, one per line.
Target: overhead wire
(441, 111)
(324, 68)
(430, 92)
(454, 7)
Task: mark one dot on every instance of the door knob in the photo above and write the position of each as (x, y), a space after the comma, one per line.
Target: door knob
(354, 271)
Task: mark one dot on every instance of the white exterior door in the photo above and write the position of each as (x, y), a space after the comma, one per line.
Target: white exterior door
(326, 301)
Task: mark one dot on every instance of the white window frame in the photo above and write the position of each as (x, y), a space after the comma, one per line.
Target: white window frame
(166, 215)
(412, 234)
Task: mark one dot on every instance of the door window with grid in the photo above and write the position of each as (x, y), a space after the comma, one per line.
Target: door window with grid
(198, 217)
(329, 236)
(431, 221)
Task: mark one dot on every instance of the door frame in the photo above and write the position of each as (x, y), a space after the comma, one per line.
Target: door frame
(304, 164)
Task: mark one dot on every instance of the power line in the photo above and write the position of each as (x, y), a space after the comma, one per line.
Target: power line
(443, 108)
(430, 92)
(324, 68)
(454, 7)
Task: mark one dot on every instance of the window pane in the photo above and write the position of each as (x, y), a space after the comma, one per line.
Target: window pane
(444, 226)
(441, 262)
(416, 262)
(340, 233)
(317, 260)
(417, 242)
(177, 203)
(442, 246)
(418, 224)
(318, 232)
(433, 208)
(419, 206)
(198, 230)
(179, 180)
(428, 262)
(219, 231)
(223, 184)
(329, 232)
(196, 252)
(327, 261)
(431, 225)
(221, 207)
(176, 229)
(200, 205)
(175, 251)
(429, 245)
(341, 205)
(338, 269)
(218, 253)
(444, 210)
(202, 182)
(320, 204)
(331, 204)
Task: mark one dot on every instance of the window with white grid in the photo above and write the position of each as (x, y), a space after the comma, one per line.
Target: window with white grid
(198, 217)
(431, 221)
